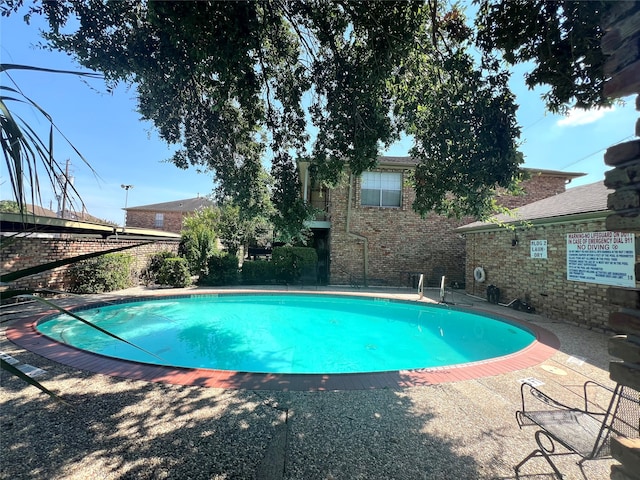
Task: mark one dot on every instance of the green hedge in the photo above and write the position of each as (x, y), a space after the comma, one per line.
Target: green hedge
(258, 272)
(291, 263)
(223, 270)
(109, 272)
(174, 272)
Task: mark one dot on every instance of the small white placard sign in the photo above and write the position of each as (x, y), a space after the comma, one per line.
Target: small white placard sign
(538, 249)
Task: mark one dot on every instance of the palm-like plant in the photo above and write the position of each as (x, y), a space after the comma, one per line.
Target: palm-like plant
(26, 153)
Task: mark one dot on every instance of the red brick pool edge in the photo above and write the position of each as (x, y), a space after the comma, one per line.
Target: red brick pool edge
(23, 333)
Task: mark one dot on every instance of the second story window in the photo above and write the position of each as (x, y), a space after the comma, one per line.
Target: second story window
(159, 223)
(381, 189)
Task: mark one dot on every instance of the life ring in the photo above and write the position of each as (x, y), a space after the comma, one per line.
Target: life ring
(478, 274)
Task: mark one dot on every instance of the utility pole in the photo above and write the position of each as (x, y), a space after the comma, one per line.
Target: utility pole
(64, 187)
(126, 198)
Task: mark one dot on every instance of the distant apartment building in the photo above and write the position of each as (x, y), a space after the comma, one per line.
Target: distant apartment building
(167, 216)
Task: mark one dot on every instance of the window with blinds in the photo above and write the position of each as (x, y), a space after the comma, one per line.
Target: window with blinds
(381, 189)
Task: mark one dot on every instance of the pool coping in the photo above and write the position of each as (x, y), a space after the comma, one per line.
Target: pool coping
(23, 332)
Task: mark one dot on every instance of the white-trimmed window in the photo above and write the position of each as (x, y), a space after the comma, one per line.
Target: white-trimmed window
(381, 189)
(159, 223)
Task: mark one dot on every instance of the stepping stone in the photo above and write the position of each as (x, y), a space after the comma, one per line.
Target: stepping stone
(8, 358)
(31, 371)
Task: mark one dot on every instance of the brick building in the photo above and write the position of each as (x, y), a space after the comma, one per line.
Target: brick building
(368, 234)
(167, 216)
(507, 257)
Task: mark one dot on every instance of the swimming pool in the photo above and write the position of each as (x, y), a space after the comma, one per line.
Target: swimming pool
(290, 334)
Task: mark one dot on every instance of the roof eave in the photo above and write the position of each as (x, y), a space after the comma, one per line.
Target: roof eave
(18, 218)
(553, 173)
(518, 223)
(15, 222)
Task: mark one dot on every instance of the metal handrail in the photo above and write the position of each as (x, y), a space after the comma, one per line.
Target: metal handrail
(352, 278)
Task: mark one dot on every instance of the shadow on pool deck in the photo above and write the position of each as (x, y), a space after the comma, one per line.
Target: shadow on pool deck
(119, 428)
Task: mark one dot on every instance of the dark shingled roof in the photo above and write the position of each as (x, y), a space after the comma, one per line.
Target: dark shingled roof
(591, 198)
(402, 161)
(186, 205)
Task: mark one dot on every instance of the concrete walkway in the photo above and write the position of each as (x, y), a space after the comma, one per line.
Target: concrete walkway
(117, 428)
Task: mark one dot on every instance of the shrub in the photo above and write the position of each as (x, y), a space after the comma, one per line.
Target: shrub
(199, 239)
(106, 273)
(197, 247)
(291, 262)
(149, 274)
(223, 270)
(174, 272)
(257, 272)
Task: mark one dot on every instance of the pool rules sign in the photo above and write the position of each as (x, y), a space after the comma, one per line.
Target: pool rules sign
(607, 258)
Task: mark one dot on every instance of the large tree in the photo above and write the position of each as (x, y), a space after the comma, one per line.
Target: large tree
(561, 39)
(329, 81)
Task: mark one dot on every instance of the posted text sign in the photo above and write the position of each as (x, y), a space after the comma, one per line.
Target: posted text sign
(607, 258)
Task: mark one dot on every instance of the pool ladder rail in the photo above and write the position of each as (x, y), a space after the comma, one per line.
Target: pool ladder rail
(421, 288)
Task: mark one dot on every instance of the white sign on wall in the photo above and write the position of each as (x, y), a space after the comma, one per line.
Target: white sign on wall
(607, 258)
(538, 249)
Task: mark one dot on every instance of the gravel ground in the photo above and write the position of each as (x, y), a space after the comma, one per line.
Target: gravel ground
(112, 428)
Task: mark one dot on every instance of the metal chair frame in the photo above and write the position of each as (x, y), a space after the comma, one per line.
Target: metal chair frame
(567, 426)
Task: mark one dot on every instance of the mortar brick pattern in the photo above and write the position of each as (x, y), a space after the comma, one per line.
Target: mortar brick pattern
(147, 219)
(535, 188)
(540, 282)
(28, 252)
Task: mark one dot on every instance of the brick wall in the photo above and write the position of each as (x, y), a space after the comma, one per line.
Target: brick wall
(540, 282)
(537, 187)
(400, 244)
(28, 252)
(147, 219)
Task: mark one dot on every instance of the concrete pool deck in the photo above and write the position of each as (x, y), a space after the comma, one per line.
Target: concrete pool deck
(124, 428)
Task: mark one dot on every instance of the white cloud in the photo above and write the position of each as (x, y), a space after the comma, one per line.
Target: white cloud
(578, 116)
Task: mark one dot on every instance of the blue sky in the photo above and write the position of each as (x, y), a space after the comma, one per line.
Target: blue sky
(125, 150)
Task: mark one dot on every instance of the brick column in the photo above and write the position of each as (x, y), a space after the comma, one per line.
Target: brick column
(622, 45)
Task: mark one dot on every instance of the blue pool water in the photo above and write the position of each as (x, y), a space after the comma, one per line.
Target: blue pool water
(290, 333)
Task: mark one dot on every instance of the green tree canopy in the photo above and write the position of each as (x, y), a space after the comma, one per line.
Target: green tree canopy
(330, 81)
(562, 40)
(239, 230)
(9, 206)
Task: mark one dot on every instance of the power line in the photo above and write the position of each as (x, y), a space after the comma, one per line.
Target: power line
(534, 123)
(597, 151)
